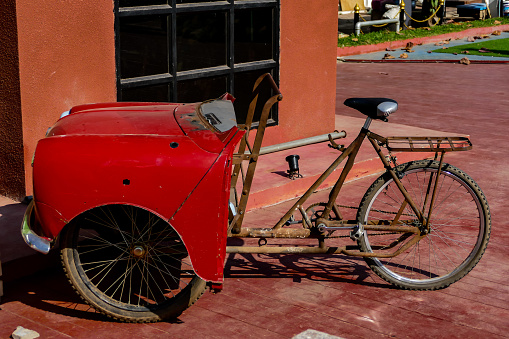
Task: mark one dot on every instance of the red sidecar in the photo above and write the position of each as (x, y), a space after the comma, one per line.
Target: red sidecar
(142, 183)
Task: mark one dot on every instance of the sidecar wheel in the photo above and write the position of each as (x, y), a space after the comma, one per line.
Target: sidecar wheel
(129, 264)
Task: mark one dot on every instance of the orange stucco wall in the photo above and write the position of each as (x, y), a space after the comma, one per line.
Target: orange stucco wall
(66, 58)
(308, 39)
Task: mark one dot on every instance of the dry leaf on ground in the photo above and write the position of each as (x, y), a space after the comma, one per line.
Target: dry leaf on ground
(465, 61)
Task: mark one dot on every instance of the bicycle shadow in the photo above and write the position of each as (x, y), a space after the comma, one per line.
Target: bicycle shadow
(47, 291)
(34, 279)
(316, 267)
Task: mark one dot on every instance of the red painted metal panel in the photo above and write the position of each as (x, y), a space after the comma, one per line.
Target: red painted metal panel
(139, 155)
(132, 118)
(205, 214)
(77, 173)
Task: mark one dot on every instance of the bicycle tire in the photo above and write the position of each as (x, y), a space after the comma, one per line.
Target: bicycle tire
(129, 264)
(459, 233)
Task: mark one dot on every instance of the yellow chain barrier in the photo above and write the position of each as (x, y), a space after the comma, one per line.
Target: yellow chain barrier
(432, 15)
(408, 16)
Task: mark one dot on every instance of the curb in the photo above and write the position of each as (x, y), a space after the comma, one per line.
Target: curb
(427, 61)
(355, 50)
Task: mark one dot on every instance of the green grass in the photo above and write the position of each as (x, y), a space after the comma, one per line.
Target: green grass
(385, 36)
(497, 48)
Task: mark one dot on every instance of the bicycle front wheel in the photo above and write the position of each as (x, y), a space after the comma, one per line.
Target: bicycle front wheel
(459, 229)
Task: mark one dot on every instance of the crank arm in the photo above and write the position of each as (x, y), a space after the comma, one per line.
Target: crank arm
(355, 234)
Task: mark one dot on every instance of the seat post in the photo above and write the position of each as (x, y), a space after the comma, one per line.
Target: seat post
(367, 123)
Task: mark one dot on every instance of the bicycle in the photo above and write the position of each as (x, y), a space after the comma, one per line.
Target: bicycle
(408, 228)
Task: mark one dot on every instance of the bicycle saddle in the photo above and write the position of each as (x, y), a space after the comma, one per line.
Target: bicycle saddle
(375, 108)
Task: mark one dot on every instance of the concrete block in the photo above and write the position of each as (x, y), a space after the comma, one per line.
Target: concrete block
(24, 333)
(313, 334)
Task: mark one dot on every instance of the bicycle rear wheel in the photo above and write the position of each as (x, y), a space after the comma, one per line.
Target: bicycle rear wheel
(459, 226)
(129, 264)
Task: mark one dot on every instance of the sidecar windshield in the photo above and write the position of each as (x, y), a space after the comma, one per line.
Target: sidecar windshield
(220, 114)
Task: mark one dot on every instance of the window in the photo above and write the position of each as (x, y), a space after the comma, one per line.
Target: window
(190, 50)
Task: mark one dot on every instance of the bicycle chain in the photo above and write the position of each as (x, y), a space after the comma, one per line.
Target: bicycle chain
(379, 211)
(347, 236)
(351, 207)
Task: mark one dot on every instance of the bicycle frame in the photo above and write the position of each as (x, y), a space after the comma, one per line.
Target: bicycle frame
(438, 145)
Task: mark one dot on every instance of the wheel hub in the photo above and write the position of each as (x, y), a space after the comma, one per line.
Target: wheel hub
(139, 251)
(421, 226)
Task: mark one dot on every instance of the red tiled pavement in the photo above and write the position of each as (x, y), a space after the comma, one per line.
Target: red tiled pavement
(278, 296)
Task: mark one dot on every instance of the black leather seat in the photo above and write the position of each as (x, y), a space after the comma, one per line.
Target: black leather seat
(375, 108)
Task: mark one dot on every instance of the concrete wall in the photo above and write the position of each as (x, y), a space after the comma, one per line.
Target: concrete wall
(66, 58)
(12, 179)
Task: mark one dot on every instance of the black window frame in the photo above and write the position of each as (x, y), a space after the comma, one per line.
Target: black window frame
(229, 70)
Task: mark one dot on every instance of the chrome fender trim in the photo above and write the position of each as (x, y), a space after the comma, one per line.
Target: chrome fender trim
(36, 242)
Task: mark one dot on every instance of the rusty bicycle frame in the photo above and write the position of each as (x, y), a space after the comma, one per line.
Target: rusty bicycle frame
(438, 145)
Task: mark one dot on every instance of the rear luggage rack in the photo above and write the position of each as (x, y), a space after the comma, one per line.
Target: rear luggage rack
(428, 144)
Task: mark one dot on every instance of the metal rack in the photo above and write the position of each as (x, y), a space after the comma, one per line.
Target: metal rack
(428, 144)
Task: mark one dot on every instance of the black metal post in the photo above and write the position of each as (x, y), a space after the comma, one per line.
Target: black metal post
(356, 15)
(441, 13)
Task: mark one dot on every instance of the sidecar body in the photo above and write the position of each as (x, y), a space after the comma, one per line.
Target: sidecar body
(173, 160)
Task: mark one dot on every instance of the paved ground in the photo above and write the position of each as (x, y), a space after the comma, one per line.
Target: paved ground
(425, 52)
(279, 296)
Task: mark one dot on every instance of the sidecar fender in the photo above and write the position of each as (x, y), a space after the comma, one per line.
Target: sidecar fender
(83, 164)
